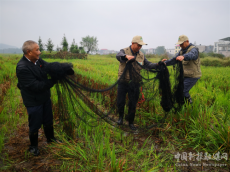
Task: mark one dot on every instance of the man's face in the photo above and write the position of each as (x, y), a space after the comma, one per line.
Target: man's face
(136, 47)
(184, 44)
(34, 53)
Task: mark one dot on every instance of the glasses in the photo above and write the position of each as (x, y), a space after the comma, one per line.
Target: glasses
(139, 45)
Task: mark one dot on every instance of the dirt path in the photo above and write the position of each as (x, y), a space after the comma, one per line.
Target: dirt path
(21, 159)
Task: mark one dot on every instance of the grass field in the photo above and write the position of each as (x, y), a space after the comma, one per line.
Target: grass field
(203, 127)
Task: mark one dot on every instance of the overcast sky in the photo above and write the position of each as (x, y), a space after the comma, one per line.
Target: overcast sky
(114, 23)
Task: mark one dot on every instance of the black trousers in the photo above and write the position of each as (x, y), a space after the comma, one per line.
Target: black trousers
(39, 115)
(133, 90)
(188, 84)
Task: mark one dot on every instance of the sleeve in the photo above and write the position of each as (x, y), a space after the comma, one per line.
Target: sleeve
(172, 61)
(192, 55)
(121, 56)
(28, 80)
(149, 64)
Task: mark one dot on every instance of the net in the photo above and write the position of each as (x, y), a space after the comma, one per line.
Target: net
(92, 102)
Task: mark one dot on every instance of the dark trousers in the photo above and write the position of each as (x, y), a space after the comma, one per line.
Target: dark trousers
(39, 115)
(133, 93)
(188, 84)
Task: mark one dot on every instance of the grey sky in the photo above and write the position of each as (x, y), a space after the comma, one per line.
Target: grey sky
(114, 23)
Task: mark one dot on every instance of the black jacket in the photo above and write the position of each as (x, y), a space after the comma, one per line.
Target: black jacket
(33, 82)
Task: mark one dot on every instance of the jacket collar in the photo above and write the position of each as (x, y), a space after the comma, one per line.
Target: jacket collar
(185, 50)
(26, 60)
(133, 52)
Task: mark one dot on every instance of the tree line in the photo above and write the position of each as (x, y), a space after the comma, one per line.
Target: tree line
(89, 43)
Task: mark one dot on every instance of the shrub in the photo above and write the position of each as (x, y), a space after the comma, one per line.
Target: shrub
(212, 54)
(203, 55)
(215, 62)
(64, 55)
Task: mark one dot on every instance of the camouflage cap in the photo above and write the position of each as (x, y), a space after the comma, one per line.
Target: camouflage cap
(181, 39)
(139, 40)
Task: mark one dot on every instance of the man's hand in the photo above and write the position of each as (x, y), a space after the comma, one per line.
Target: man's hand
(129, 57)
(164, 60)
(180, 58)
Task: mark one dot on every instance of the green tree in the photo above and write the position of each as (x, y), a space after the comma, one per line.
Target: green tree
(81, 50)
(90, 43)
(143, 51)
(64, 44)
(40, 44)
(58, 48)
(74, 47)
(160, 50)
(49, 45)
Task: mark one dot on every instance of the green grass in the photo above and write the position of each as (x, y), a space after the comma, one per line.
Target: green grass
(201, 128)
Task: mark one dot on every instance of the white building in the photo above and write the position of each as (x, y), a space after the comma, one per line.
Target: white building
(222, 46)
(177, 49)
(103, 51)
(151, 51)
(106, 51)
(170, 51)
(204, 48)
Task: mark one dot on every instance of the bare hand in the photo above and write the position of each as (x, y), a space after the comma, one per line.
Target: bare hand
(129, 57)
(163, 60)
(180, 58)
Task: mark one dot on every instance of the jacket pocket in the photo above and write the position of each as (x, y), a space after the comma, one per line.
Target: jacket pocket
(188, 73)
(185, 62)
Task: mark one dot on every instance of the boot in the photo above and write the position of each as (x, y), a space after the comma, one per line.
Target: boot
(188, 100)
(130, 118)
(132, 126)
(34, 143)
(49, 133)
(120, 120)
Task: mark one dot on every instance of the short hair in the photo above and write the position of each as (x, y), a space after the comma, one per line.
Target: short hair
(28, 45)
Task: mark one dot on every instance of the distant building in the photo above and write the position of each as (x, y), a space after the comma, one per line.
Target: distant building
(177, 49)
(112, 52)
(209, 48)
(201, 48)
(106, 51)
(103, 51)
(204, 48)
(151, 51)
(170, 51)
(222, 46)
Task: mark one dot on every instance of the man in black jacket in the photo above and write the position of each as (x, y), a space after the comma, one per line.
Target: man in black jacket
(35, 91)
